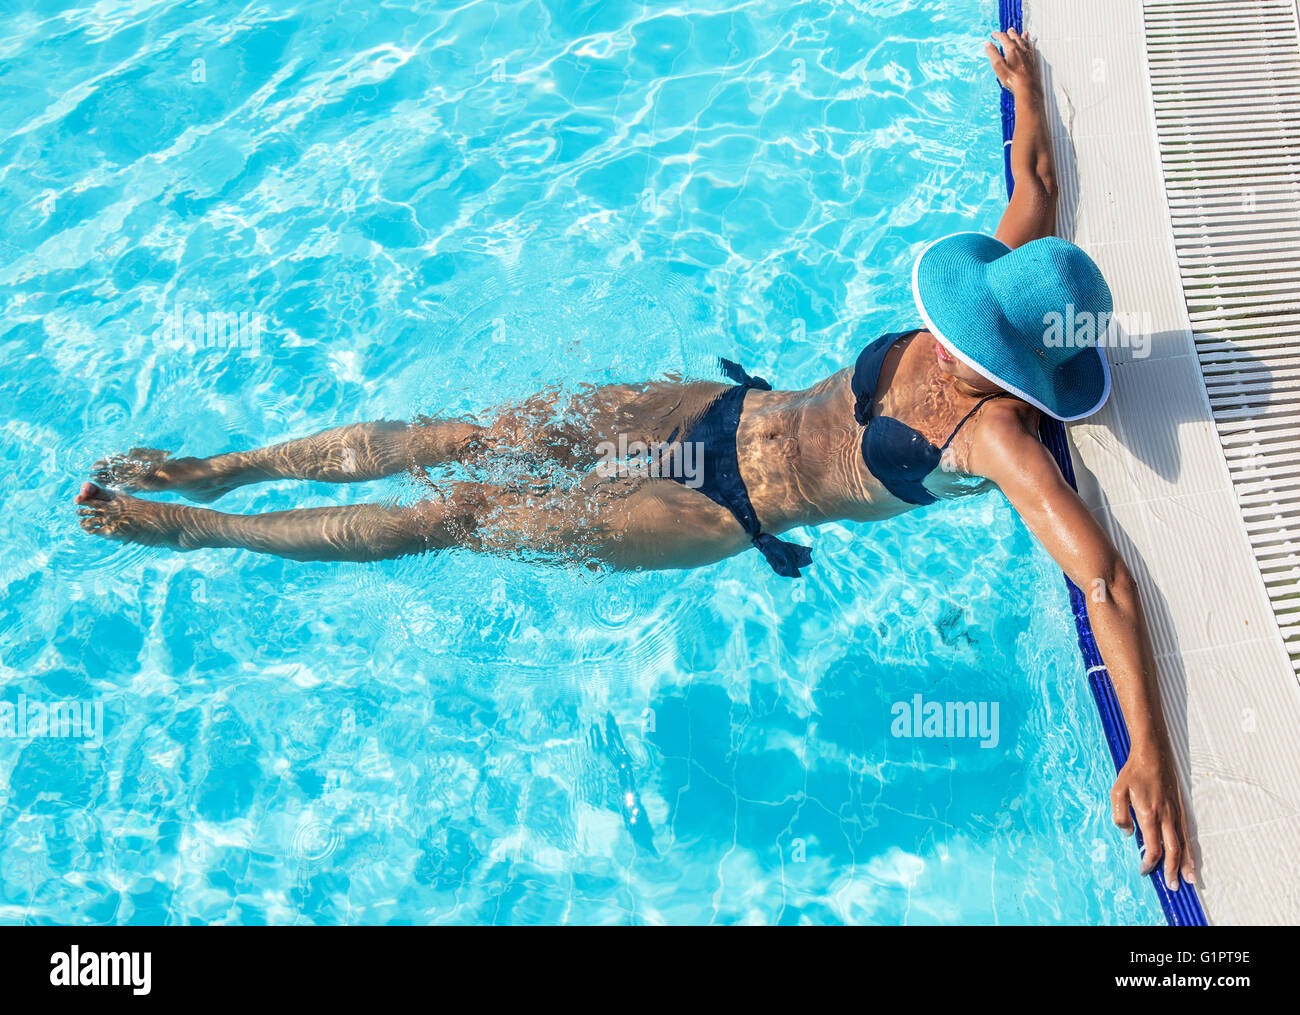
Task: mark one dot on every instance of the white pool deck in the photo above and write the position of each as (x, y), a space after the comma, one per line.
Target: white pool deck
(1153, 463)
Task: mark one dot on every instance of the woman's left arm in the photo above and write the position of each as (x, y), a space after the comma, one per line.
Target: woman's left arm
(1010, 454)
(1031, 213)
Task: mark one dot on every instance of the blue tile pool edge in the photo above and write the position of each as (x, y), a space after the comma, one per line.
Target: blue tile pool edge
(1181, 908)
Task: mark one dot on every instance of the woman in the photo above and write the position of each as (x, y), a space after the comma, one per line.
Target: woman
(933, 413)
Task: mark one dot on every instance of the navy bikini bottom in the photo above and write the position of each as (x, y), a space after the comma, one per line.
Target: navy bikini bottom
(715, 434)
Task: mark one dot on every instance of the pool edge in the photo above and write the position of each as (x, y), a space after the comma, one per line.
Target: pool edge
(1181, 908)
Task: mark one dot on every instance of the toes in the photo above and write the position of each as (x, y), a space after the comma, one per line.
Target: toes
(99, 522)
(94, 522)
(135, 468)
(92, 499)
(119, 516)
(105, 469)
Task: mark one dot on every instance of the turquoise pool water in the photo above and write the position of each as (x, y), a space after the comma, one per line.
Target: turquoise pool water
(437, 208)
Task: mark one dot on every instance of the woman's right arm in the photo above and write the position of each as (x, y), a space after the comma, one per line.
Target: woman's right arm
(1007, 451)
(1031, 213)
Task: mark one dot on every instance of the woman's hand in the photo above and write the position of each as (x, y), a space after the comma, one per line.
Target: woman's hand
(1016, 65)
(1148, 784)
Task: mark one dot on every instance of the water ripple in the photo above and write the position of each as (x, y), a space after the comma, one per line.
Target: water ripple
(437, 208)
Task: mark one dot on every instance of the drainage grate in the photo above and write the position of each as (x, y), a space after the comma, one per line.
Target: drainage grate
(1225, 76)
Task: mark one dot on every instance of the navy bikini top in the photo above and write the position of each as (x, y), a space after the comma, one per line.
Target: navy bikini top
(895, 454)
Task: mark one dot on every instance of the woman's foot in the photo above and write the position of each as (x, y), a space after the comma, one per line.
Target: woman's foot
(125, 519)
(153, 470)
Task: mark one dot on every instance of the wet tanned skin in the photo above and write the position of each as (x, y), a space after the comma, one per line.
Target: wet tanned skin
(798, 451)
(799, 455)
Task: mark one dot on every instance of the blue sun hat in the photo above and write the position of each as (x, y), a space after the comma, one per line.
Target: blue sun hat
(1028, 319)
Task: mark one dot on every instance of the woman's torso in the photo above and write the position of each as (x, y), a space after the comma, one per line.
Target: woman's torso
(801, 455)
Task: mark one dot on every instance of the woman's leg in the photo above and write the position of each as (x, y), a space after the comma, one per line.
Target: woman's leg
(622, 523)
(574, 430)
(357, 532)
(345, 454)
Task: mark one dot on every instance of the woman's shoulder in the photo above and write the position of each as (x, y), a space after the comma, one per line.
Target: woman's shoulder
(1005, 437)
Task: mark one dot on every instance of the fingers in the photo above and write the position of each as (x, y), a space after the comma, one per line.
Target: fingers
(1014, 46)
(1161, 821)
(1174, 850)
(1153, 845)
(1021, 42)
(1120, 812)
(1122, 806)
(1000, 67)
(1189, 863)
(1012, 56)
